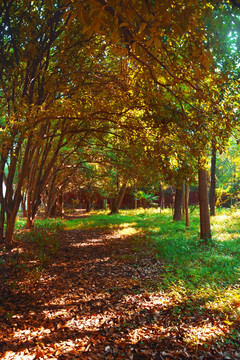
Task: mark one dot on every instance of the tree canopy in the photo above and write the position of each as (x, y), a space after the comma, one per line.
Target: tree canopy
(152, 79)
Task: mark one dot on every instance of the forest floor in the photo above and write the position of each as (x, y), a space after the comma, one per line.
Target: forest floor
(98, 298)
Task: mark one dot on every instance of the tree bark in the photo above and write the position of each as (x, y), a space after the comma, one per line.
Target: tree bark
(212, 193)
(135, 200)
(59, 204)
(12, 218)
(186, 205)
(205, 229)
(2, 199)
(29, 223)
(88, 205)
(23, 201)
(162, 204)
(183, 199)
(117, 203)
(177, 216)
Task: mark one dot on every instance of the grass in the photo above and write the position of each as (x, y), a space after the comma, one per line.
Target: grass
(191, 268)
(33, 252)
(42, 241)
(203, 278)
(188, 263)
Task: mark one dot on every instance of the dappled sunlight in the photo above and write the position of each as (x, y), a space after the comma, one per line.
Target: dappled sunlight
(226, 223)
(127, 225)
(92, 242)
(128, 231)
(31, 334)
(115, 293)
(226, 236)
(204, 333)
(142, 211)
(228, 302)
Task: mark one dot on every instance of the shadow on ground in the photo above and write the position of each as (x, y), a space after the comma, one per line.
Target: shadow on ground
(99, 299)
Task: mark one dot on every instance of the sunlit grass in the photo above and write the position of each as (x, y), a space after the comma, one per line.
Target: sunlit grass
(208, 275)
(196, 281)
(190, 267)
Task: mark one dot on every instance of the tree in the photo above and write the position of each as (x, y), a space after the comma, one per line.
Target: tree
(177, 216)
(46, 72)
(212, 193)
(205, 230)
(160, 48)
(101, 67)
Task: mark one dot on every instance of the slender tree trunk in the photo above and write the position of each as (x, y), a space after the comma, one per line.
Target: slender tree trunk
(117, 204)
(2, 217)
(13, 201)
(23, 201)
(177, 216)
(29, 223)
(205, 229)
(57, 208)
(162, 204)
(12, 218)
(183, 199)
(59, 204)
(135, 204)
(88, 205)
(2, 200)
(105, 204)
(135, 200)
(212, 193)
(186, 205)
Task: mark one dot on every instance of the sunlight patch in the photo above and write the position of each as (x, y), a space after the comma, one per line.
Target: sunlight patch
(149, 301)
(208, 331)
(27, 334)
(92, 242)
(227, 236)
(128, 231)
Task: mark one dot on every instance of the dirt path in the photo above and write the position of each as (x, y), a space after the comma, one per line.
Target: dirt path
(88, 302)
(97, 299)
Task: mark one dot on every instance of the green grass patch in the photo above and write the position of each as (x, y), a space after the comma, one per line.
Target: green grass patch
(34, 250)
(190, 266)
(51, 224)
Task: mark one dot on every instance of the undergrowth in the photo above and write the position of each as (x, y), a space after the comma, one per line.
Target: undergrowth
(32, 251)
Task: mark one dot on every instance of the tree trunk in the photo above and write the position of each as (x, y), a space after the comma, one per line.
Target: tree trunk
(205, 229)
(117, 203)
(88, 205)
(105, 204)
(2, 220)
(59, 204)
(162, 204)
(12, 218)
(135, 204)
(135, 199)
(13, 198)
(2, 202)
(29, 223)
(183, 199)
(186, 205)
(178, 205)
(23, 201)
(212, 193)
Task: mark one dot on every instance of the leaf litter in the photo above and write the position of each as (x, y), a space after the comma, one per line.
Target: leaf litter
(98, 298)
